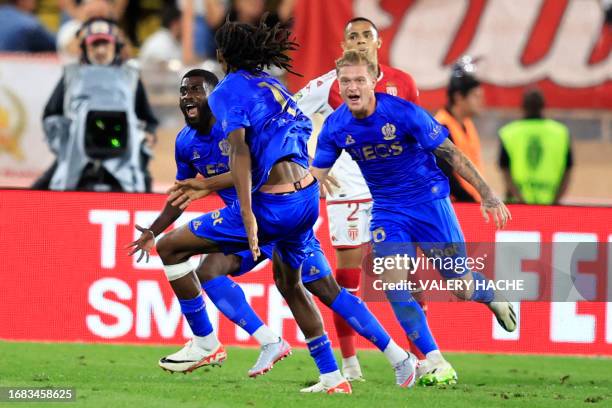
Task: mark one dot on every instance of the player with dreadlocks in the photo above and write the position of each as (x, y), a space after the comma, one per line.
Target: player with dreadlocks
(277, 196)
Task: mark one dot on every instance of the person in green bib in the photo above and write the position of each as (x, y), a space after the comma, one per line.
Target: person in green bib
(535, 155)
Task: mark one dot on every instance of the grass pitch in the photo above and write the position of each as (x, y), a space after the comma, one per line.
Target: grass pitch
(128, 376)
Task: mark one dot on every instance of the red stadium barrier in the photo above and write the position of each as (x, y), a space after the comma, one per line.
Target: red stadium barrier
(66, 277)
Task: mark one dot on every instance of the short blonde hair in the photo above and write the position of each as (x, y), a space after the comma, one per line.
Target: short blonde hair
(351, 58)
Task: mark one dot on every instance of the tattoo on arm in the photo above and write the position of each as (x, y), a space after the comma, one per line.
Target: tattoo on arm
(448, 152)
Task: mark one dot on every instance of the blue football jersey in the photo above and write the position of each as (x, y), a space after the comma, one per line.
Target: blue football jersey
(275, 128)
(393, 148)
(205, 154)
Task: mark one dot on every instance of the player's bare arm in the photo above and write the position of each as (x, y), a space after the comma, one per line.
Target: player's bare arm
(448, 152)
(184, 192)
(146, 241)
(240, 163)
(328, 183)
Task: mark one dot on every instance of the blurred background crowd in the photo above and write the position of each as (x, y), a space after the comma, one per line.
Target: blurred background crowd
(161, 39)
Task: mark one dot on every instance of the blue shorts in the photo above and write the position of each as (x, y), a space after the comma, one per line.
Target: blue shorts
(433, 226)
(284, 222)
(315, 265)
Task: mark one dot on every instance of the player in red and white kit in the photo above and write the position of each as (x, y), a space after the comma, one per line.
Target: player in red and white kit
(349, 206)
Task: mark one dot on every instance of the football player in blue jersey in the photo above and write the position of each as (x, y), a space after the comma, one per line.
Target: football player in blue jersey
(396, 143)
(201, 147)
(279, 213)
(199, 151)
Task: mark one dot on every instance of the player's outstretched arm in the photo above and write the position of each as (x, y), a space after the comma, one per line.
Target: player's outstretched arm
(184, 192)
(146, 241)
(448, 152)
(240, 163)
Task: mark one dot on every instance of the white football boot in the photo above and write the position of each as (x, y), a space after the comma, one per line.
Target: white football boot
(191, 357)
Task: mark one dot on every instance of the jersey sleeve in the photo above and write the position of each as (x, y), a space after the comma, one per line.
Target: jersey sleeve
(421, 125)
(229, 109)
(412, 90)
(313, 98)
(327, 150)
(184, 169)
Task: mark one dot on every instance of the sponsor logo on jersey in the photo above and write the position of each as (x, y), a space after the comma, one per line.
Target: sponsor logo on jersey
(388, 131)
(196, 225)
(313, 271)
(378, 151)
(349, 140)
(216, 216)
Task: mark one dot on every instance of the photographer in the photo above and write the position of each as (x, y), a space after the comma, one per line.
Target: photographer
(91, 120)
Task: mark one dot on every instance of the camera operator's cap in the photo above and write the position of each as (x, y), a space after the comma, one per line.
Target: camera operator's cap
(463, 75)
(100, 30)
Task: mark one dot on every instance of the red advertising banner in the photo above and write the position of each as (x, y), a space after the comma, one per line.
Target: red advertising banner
(66, 278)
(563, 46)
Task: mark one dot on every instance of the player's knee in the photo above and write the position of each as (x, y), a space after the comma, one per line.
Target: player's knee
(216, 265)
(287, 284)
(286, 287)
(166, 249)
(169, 249)
(325, 289)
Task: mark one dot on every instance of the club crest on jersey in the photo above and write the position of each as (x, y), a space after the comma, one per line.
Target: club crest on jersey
(391, 89)
(349, 140)
(196, 155)
(224, 146)
(388, 131)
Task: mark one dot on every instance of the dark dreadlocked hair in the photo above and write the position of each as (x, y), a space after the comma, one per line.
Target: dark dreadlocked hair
(252, 48)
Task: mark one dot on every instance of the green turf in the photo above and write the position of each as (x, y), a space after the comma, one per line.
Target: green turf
(128, 376)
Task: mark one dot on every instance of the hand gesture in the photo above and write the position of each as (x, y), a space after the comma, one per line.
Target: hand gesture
(144, 243)
(328, 185)
(184, 192)
(498, 210)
